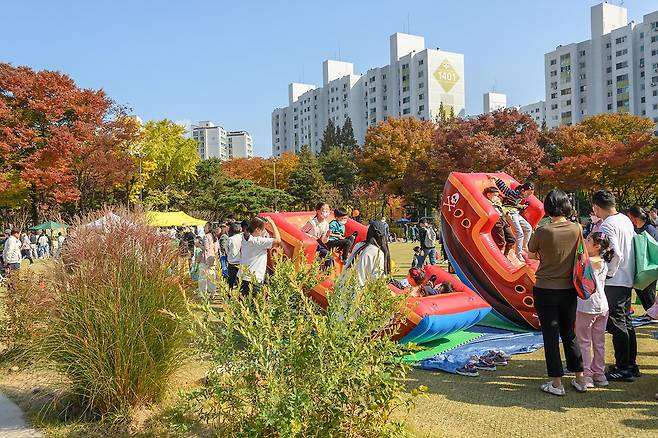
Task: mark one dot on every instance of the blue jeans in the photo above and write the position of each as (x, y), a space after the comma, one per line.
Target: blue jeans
(429, 252)
(523, 231)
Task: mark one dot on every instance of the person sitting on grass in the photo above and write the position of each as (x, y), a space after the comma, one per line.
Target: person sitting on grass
(416, 262)
(501, 232)
(370, 258)
(318, 228)
(514, 202)
(337, 238)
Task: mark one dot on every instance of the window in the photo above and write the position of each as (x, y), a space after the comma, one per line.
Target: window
(609, 82)
(420, 62)
(405, 100)
(581, 65)
(568, 102)
(608, 70)
(383, 77)
(553, 61)
(553, 73)
(621, 65)
(607, 45)
(583, 88)
(621, 52)
(609, 106)
(581, 53)
(405, 89)
(405, 78)
(372, 90)
(406, 111)
(405, 66)
(654, 38)
(554, 106)
(620, 40)
(420, 74)
(565, 91)
(582, 76)
(623, 77)
(655, 106)
(421, 96)
(421, 108)
(553, 95)
(421, 85)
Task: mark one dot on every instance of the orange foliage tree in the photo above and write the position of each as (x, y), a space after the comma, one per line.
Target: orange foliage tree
(261, 170)
(614, 151)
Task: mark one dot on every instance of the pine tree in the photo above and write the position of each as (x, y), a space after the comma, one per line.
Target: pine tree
(339, 169)
(346, 138)
(452, 112)
(306, 182)
(329, 137)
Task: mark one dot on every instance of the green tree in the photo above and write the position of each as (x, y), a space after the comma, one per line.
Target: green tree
(339, 170)
(346, 138)
(306, 182)
(329, 137)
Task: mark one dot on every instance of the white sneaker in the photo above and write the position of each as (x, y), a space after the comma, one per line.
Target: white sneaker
(579, 387)
(549, 388)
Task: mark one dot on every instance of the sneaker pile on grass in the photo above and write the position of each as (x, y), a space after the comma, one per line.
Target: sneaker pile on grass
(487, 362)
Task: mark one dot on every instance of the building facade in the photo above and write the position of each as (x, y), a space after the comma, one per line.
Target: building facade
(614, 71)
(416, 83)
(493, 102)
(215, 142)
(537, 111)
(240, 144)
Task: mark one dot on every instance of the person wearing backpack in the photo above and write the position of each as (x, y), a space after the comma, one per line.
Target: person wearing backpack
(427, 237)
(642, 223)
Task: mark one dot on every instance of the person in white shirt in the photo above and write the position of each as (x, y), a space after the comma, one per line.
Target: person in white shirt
(233, 252)
(208, 265)
(26, 248)
(60, 244)
(12, 251)
(371, 258)
(43, 245)
(318, 228)
(253, 254)
(619, 285)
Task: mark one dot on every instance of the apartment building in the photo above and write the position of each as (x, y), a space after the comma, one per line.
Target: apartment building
(493, 102)
(415, 83)
(215, 142)
(616, 70)
(537, 111)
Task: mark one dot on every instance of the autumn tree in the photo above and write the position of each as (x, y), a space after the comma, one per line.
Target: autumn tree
(170, 160)
(261, 170)
(504, 141)
(614, 151)
(389, 149)
(45, 122)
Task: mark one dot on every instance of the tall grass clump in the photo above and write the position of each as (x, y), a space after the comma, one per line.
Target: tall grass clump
(285, 367)
(120, 326)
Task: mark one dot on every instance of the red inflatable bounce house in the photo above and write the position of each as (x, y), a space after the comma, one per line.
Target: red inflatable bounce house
(467, 218)
(429, 318)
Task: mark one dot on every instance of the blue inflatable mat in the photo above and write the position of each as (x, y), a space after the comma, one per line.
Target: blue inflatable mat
(493, 339)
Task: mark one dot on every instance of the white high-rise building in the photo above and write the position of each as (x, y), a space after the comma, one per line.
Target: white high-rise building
(614, 71)
(415, 84)
(493, 102)
(537, 111)
(215, 142)
(240, 144)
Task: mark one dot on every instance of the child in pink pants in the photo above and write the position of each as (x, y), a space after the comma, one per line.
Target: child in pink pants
(592, 314)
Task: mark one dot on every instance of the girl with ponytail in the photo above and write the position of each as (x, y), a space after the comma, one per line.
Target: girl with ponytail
(592, 314)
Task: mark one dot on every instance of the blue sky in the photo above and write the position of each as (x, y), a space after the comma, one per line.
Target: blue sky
(231, 62)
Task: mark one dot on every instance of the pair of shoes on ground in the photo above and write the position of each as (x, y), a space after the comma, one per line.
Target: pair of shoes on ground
(559, 390)
(487, 362)
(623, 375)
(596, 382)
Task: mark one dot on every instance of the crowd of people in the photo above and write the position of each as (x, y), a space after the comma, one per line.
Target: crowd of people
(578, 322)
(31, 245)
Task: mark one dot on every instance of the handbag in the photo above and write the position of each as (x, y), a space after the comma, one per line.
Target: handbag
(583, 273)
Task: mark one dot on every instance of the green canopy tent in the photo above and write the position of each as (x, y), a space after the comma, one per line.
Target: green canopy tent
(50, 225)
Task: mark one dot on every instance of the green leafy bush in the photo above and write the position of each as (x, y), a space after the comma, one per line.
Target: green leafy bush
(286, 367)
(120, 327)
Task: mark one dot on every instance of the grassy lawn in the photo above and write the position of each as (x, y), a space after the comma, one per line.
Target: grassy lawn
(505, 402)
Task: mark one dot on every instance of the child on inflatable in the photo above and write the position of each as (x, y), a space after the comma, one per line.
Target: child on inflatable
(422, 288)
(501, 232)
(337, 238)
(514, 203)
(318, 228)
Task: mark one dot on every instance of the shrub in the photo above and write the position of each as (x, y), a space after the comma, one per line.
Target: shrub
(286, 367)
(120, 328)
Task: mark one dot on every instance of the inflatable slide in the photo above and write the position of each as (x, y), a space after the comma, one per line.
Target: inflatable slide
(467, 218)
(429, 318)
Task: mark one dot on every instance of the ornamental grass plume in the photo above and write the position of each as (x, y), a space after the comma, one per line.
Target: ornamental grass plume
(120, 328)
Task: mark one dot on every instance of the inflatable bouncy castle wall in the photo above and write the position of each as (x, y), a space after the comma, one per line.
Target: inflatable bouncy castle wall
(428, 318)
(467, 218)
